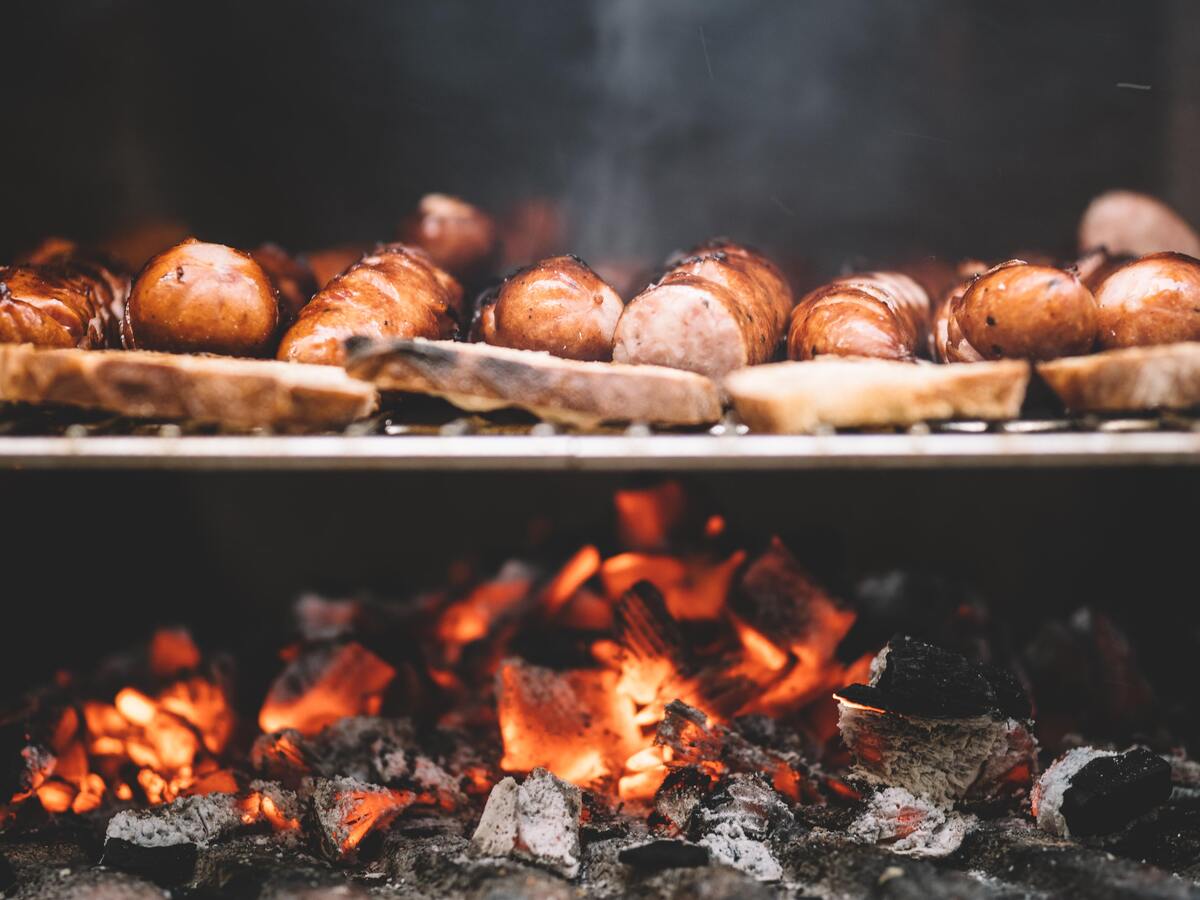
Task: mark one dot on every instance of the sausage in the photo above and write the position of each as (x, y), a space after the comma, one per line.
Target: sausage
(291, 276)
(458, 237)
(202, 298)
(395, 291)
(719, 308)
(1020, 311)
(558, 305)
(1130, 224)
(60, 296)
(939, 334)
(884, 315)
(330, 262)
(1152, 300)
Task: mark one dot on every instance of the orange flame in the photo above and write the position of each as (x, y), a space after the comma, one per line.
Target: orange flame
(317, 691)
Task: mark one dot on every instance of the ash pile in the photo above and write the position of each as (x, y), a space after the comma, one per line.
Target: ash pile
(688, 717)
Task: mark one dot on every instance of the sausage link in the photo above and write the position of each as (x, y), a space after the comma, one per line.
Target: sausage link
(202, 298)
(558, 305)
(884, 315)
(1020, 311)
(292, 277)
(458, 237)
(719, 308)
(60, 296)
(1152, 300)
(396, 291)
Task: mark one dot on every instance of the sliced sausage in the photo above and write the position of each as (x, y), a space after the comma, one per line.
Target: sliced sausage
(1020, 311)
(395, 291)
(558, 305)
(884, 315)
(203, 298)
(1152, 300)
(720, 308)
(458, 237)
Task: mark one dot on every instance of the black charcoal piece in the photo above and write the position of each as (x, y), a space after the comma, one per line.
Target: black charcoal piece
(1111, 791)
(678, 796)
(917, 679)
(7, 876)
(664, 854)
(167, 864)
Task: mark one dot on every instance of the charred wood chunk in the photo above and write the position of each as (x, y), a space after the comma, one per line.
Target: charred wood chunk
(167, 864)
(537, 821)
(736, 821)
(937, 725)
(664, 854)
(323, 685)
(678, 797)
(1089, 791)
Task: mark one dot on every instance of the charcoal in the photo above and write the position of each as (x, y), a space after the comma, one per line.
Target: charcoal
(938, 726)
(243, 866)
(8, 875)
(537, 820)
(678, 796)
(912, 826)
(913, 678)
(777, 597)
(324, 684)
(523, 885)
(87, 884)
(165, 864)
(1090, 791)
(736, 820)
(694, 741)
(664, 854)
(347, 810)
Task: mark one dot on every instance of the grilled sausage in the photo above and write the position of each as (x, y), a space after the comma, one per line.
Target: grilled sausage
(62, 297)
(330, 262)
(1020, 311)
(202, 298)
(396, 291)
(718, 309)
(458, 237)
(291, 276)
(1131, 224)
(1152, 300)
(558, 305)
(884, 315)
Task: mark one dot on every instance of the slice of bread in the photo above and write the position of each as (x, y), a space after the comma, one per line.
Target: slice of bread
(1127, 380)
(234, 393)
(480, 378)
(801, 397)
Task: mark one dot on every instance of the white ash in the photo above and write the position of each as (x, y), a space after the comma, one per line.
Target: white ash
(944, 760)
(1050, 788)
(910, 825)
(729, 843)
(537, 820)
(189, 820)
(429, 775)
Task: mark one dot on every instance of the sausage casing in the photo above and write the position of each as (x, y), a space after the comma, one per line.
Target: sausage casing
(1152, 300)
(459, 237)
(884, 315)
(199, 297)
(395, 291)
(558, 305)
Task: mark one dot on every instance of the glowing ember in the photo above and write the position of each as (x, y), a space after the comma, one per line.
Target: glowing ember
(646, 518)
(323, 686)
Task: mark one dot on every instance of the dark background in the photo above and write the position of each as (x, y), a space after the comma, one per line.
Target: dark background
(836, 131)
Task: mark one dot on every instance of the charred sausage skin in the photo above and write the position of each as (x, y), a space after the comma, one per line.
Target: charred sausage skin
(884, 315)
(719, 308)
(558, 305)
(395, 291)
(199, 297)
(1152, 300)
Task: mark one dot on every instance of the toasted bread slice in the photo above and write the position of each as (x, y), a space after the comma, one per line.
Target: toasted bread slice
(1126, 380)
(800, 397)
(234, 393)
(480, 378)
